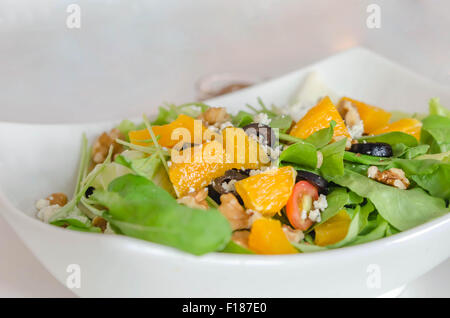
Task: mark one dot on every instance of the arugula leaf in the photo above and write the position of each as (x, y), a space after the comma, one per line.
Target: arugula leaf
(431, 175)
(333, 158)
(353, 229)
(353, 198)
(377, 231)
(242, 118)
(170, 112)
(300, 153)
(139, 208)
(323, 136)
(365, 159)
(126, 126)
(436, 108)
(392, 138)
(404, 209)
(308, 247)
(443, 156)
(436, 133)
(336, 199)
(74, 217)
(235, 248)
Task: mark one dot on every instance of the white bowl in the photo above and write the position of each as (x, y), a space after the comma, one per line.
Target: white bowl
(39, 159)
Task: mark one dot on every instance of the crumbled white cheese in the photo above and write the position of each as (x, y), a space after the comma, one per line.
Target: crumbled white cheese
(263, 169)
(372, 172)
(229, 186)
(314, 215)
(46, 213)
(42, 203)
(225, 125)
(304, 214)
(191, 189)
(319, 159)
(321, 203)
(356, 131)
(169, 163)
(262, 119)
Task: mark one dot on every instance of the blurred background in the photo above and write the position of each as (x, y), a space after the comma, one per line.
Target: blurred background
(129, 56)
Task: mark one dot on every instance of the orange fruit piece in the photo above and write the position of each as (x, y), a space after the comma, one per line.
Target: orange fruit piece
(195, 168)
(267, 192)
(244, 150)
(372, 116)
(333, 230)
(192, 133)
(267, 237)
(319, 117)
(409, 126)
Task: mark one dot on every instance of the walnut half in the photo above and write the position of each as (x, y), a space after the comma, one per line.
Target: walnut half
(196, 200)
(214, 116)
(234, 212)
(394, 177)
(104, 141)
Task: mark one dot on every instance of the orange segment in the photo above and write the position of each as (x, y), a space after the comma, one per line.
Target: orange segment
(267, 192)
(245, 151)
(372, 116)
(195, 168)
(333, 230)
(169, 135)
(407, 125)
(319, 117)
(267, 237)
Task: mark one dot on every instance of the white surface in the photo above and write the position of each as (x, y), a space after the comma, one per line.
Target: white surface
(122, 266)
(23, 276)
(131, 55)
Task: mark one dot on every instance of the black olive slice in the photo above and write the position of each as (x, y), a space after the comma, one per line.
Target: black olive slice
(216, 189)
(261, 130)
(316, 180)
(376, 149)
(89, 192)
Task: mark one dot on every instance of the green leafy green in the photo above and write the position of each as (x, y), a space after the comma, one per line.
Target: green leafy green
(126, 126)
(300, 153)
(242, 118)
(436, 133)
(323, 136)
(170, 112)
(235, 248)
(431, 175)
(139, 208)
(436, 108)
(392, 138)
(333, 158)
(336, 199)
(365, 159)
(403, 209)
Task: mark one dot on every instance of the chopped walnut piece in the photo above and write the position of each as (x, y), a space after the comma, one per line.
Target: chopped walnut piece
(394, 177)
(241, 237)
(104, 141)
(57, 198)
(351, 117)
(293, 236)
(233, 211)
(196, 200)
(349, 112)
(100, 222)
(214, 116)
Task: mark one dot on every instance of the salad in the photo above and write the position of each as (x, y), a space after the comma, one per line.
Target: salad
(201, 180)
